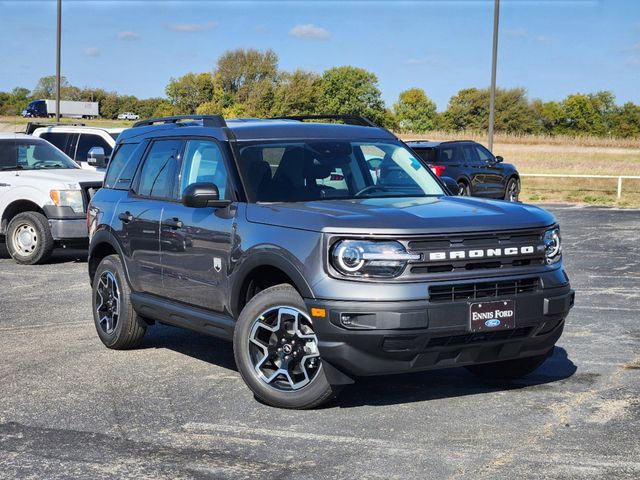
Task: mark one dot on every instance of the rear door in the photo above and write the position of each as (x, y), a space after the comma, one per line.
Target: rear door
(65, 141)
(139, 215)
(196, 242)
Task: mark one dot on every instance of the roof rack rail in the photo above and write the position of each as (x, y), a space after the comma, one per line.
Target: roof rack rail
(32, 126)
(207, 120)
(348, 119)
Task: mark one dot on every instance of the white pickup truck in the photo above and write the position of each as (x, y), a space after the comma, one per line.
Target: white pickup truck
(43, 198)
(77, 141)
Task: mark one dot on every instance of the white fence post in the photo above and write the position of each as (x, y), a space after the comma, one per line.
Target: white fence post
(619, 188)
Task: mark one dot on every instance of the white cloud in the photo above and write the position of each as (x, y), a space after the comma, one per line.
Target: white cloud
(420, 61)
(92, 52)
(543, 39)
(127, 35)
(517, 33)
(309, 30)
(192, 27)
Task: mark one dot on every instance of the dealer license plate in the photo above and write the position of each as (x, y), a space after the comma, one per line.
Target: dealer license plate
(491, 316)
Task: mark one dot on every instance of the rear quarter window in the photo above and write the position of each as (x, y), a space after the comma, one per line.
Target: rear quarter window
(123, 165)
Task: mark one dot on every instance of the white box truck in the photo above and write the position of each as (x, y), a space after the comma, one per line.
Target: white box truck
(68, 108)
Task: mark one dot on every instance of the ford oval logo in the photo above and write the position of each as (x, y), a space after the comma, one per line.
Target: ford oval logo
(492, 323)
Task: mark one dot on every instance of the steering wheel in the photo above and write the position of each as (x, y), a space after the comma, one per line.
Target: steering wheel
(370, 188)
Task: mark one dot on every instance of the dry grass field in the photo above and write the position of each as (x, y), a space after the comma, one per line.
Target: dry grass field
(564, 155)
(531, 154)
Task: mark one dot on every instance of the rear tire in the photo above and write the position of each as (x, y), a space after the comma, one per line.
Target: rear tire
(117, 323)
(509, 369)
(463, 189)
(29, 239)
(512, 192)
(275, 334)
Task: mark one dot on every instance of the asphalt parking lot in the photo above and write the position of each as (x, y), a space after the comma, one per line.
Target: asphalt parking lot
(177, 407)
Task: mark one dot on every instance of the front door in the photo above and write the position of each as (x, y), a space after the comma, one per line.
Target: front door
(140, 214)
(494, 179)
(196, 242)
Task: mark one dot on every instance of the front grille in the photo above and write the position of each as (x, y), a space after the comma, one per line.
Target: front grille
(482, 290)
(479, 337)
(473, 243)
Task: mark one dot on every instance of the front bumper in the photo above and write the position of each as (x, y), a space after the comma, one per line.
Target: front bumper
(66, 224)
(396, 337)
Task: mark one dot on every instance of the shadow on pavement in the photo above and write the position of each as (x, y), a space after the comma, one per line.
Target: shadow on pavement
(383, 390)
(196, 345)
(446, 383)
(59, 255)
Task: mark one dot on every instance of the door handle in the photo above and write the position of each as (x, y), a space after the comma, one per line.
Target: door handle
(173, 223)
(126, 217)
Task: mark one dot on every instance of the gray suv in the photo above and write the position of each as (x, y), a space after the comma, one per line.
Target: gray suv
(324, 251)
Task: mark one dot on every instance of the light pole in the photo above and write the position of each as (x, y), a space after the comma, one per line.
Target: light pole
(58, 39)
(494, 61)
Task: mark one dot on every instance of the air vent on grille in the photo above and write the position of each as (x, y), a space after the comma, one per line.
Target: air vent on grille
(472, 291)
(479, 337)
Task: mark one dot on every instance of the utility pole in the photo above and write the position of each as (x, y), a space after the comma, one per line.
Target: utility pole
(494, 61)
(58, 40)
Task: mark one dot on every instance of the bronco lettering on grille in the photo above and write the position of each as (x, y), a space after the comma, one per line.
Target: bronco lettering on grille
(482, 253)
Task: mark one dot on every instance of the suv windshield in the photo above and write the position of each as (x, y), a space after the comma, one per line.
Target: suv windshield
(27, 154)
(316, 170)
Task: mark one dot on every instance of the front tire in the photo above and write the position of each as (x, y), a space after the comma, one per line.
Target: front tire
(276, 351)
(509, 369)
(29, 239)
(117, 323)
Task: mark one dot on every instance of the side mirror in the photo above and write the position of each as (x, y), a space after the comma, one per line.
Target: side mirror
(451, 185)
(202, 195)
(96, 157)
(499, 159)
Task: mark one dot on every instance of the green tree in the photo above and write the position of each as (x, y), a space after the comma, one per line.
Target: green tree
(625, 121)
(189, 91)
(46, 87)
(469, 110)
(297, 93)
(239, 71)
(414, 111)
(352, 91)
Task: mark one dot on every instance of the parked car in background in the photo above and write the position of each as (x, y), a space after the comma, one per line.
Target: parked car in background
(478, 172)
(68, 108)
(128, 116)
(90, 147)
(43, 198)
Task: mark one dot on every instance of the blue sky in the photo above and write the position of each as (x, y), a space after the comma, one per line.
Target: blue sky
(552, 48)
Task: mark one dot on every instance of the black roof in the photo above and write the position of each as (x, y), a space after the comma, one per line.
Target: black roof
(245, 129)
(433, 144)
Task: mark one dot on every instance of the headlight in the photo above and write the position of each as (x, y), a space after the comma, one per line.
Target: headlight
(552, 246)
(68, 198)
(362, 258)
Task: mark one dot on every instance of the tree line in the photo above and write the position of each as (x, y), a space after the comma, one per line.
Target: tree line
(249, 83)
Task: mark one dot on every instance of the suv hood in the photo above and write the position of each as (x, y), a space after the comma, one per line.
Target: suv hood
(401, 216)
(66, 177)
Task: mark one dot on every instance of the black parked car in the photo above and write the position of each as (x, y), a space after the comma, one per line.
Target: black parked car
(478, 172)
(324, 252)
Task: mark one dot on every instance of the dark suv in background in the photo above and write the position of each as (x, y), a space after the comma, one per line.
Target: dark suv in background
(323, 251)
(478, 172)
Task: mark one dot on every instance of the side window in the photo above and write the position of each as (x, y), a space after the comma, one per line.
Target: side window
(445, 155)
(160, 169)
(122, 167)
(483, 154)
(59, 139)
(203, 163)
(469, 155)
(88, 141)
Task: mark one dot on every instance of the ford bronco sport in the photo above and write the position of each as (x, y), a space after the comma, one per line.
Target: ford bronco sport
(278, 235)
